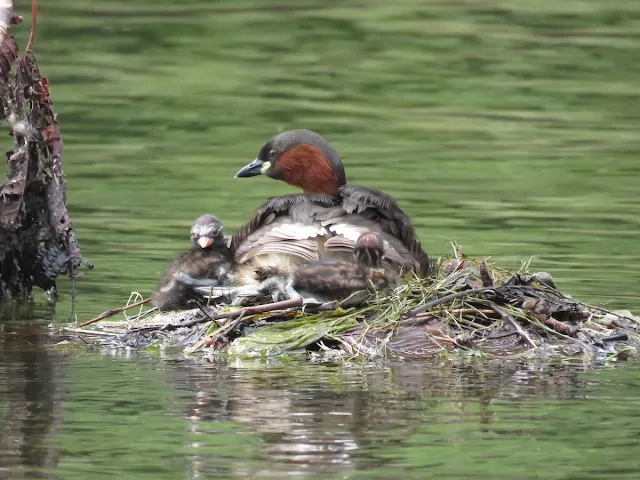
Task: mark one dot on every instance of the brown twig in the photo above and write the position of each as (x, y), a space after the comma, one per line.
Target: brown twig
(447, 298)
(424, 317)
(34, 16)
(560, 327)
(112, 312)
(247, 311)
(204, 312)
(91, 332)
(469, 323)
(505, 316)
(458, 311)
(269, 307)
(231, 327)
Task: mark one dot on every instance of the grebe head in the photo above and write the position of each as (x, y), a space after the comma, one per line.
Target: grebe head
(301, 158)
(207, 231)
(369, 249)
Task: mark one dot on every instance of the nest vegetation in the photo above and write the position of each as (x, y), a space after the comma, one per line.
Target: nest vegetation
(470, 307)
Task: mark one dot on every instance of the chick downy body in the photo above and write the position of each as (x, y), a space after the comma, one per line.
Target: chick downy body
(209, 261)
(328, 281)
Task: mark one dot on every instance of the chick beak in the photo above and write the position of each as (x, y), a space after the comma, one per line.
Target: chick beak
(205, 242)
(257, 167)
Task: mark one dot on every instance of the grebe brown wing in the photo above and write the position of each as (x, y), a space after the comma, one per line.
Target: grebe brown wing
(316, 226)
(284, 225)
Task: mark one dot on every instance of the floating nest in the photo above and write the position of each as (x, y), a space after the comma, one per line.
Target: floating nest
(470, 307)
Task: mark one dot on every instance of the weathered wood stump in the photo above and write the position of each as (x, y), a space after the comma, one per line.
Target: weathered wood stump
(37, 241)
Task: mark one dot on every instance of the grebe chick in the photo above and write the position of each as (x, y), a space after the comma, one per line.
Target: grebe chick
(209, 259)
(328, 281)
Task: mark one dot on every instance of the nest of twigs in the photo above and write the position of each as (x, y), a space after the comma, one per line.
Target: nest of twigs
(470, 306)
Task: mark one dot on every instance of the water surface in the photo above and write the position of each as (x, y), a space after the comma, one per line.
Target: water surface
(70, 414)
(508, 127)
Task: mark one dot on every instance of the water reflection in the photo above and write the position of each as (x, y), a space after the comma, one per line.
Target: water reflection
(69, 413)
(343, 418)
(31, 391)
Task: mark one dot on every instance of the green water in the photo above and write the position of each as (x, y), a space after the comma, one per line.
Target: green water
(85, 415)
(509, 127)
